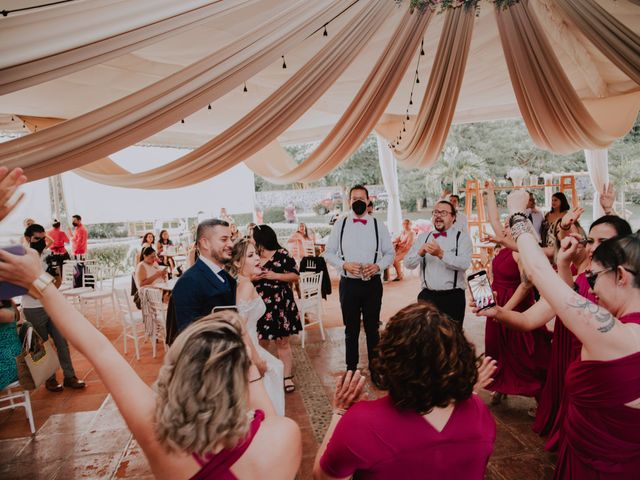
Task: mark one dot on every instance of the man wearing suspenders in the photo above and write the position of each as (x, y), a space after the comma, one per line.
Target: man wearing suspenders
(444, 255)
(360, 248)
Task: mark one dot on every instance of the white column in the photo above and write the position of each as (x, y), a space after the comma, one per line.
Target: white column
(388, 168)
(598, 166)
(548, 191)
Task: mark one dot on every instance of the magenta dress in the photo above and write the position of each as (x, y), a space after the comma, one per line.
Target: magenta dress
(375, 440)
(218, 466)
(600, 437)
(522, 356)
(565, 348)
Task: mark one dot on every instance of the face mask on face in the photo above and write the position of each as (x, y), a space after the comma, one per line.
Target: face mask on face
(359, 207)
(39, 245)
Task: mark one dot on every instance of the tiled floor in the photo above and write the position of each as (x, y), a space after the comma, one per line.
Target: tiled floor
(81, 435)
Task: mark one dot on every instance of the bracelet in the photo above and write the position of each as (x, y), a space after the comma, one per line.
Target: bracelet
(517, 217)
(40, 284)
(520, 227)
(564, 228)
(256, 379)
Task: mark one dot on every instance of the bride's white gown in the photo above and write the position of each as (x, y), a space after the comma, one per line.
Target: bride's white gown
(273, 379)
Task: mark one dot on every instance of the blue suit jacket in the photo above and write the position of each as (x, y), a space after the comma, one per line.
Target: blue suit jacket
(196, 293)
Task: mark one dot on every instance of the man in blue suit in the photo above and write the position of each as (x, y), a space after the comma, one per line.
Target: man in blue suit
(206, 284)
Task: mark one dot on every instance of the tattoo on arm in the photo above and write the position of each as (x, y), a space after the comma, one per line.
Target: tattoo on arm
(600, 315)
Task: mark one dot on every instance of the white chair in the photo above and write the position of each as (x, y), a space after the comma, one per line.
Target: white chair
(308, 248)
(88, 284)
(131, 319)
(154, 315)
(16, 397)
(67, 275)
(310, 301)
(99, 294)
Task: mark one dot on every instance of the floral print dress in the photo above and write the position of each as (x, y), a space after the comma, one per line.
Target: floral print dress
(282, 317)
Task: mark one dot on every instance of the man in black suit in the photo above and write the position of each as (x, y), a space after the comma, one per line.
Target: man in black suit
(206, 284)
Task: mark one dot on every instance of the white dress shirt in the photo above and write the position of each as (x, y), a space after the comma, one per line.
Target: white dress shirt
(436, 273)
(461, 223)
(359, 244)
(214, 268)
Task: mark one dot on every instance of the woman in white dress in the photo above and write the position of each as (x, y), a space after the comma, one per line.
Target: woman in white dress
(245, 263)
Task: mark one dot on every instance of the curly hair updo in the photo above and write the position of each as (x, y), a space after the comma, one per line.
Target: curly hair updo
(424, 360)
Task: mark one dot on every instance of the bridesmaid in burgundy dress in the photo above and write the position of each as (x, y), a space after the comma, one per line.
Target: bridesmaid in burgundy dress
(600, 434)
(522, 356)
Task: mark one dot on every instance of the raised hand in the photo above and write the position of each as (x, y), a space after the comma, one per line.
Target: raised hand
(486, 369)
(571, 217)
(9, 183)
(568, 249)
(607, 198)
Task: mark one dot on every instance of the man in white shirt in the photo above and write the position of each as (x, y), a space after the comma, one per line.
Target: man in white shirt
(36, 315)
(360, 248)
(535, 215)
(444, 255)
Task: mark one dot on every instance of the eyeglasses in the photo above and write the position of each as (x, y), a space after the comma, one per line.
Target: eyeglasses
(587, 241)
(592, 277)
(440, 213)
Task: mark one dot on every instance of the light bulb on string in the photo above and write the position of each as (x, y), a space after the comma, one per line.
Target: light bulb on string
(209, 107)
(325, 33)
(284, 63)
(422, 47)
(182, 121)
(245, 87)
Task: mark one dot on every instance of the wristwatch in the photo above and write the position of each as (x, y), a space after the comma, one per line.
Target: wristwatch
(39, 284)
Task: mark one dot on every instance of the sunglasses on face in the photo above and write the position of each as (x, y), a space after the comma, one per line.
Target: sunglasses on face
(592, 277)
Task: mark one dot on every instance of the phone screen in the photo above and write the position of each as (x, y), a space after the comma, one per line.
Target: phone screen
(481, 290)
(9, 290)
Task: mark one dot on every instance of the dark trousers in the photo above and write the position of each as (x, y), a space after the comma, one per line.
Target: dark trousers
(359, 298)
(452, 302)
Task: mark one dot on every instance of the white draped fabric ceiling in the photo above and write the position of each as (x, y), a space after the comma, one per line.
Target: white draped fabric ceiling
(90, 77)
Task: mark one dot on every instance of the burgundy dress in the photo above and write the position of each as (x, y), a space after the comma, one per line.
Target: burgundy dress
(600, 437)
(375, 440)
(565, 348)
(522, 356)
(218, 466)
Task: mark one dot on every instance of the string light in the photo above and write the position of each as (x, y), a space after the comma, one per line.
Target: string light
(209, 107)
(325, 33)
(245, 87)
(284, 63)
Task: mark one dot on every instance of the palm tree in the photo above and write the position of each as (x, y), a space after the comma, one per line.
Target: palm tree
(458, 166)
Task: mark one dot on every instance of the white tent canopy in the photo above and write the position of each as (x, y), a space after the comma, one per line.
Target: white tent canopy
(486, 90)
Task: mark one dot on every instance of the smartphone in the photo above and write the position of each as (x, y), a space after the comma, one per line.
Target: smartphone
(224, 307)
(9, 290)
(481, 290)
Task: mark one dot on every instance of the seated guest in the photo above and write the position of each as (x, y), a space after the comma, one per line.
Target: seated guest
(163, 242)
(600, 433)
(206, 284)
(10, 346)
(148, 240)
(208, 416)
(430, 425)
(148, 272)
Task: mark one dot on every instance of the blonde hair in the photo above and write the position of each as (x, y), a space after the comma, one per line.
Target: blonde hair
(238, 255)
(202, 387)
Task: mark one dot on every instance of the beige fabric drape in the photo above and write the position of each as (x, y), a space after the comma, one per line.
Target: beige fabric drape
(426, 135)
(94, 135)
(267, 121)
(35, 50)
(555, 116)
(365, 110)
(618, 42)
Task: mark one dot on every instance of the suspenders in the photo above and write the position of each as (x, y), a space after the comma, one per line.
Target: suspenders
(424, 262)
(375, 226)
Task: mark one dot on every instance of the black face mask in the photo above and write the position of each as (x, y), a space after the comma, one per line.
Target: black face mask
(359, 207)
(39, 245)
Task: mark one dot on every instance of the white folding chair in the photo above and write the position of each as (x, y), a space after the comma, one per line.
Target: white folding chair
(310, 301)
(88, 284)
(154, 315)
(101, 293)
(68, 267)
(131, 319)
(14, 396)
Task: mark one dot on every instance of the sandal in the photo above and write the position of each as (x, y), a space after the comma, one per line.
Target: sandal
(289, 388)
